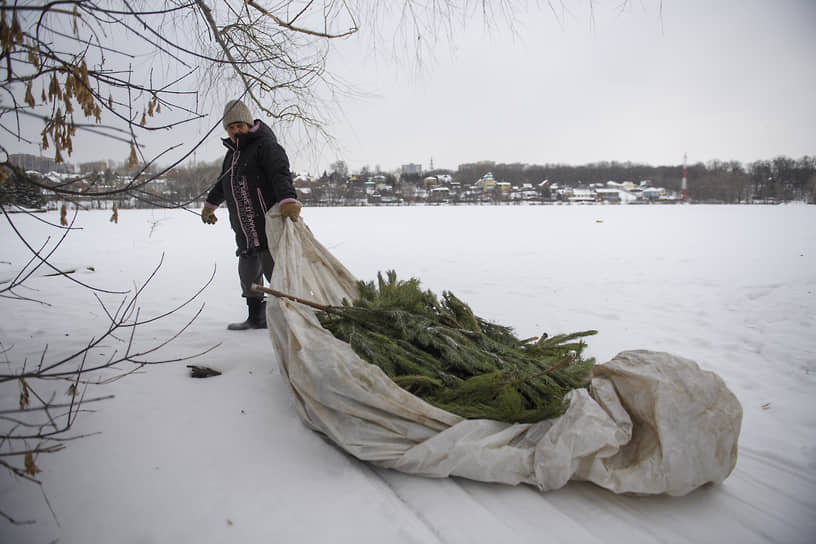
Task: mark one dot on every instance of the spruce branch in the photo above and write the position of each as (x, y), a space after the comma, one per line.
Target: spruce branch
(440, 351)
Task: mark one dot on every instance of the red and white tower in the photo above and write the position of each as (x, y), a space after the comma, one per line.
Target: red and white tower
(684, 184)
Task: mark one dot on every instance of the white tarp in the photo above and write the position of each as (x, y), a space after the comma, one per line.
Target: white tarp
(649, 423)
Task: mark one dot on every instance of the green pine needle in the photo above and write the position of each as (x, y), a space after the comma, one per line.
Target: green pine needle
(443, 353)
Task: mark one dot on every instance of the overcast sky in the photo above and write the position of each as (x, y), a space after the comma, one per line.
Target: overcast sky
(717, 79)
(729, 80)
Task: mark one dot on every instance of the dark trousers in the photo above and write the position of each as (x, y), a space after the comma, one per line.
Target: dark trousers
(251, 269)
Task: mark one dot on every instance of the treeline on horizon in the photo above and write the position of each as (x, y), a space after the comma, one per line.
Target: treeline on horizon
(781, 179)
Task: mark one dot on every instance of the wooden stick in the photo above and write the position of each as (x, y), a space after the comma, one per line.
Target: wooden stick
(268, 291)
(538, 339)
(569, 357)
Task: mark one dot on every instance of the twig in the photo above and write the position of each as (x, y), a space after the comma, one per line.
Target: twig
(17, 522)
(538, 339)
(293, 28)
(48, 449)
(67, 405)
(566, 360)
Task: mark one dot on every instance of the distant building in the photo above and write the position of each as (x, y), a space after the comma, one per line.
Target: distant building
(304, 194)
(440, 194)
(302, 179)
(411, 168)
(581, 195)
(486, 183)
(93, 166)
(653, 193)
(39, 163)
(609, 195)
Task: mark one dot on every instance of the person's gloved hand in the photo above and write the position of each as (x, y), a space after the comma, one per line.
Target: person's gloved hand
(290, 210)
(208, 216)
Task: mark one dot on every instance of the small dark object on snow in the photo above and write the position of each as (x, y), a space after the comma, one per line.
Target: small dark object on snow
(202, 371)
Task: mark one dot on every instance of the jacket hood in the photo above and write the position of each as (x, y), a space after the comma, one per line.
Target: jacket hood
(258, 130)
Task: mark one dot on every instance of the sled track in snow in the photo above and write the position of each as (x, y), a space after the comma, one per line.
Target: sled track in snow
(766, 499)
(800, 478)
(448, 509)
(379, 473)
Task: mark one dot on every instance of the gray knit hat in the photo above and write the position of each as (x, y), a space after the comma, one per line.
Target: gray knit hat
(236, 112)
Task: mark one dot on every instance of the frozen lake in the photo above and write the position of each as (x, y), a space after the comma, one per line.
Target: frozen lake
(226, 459)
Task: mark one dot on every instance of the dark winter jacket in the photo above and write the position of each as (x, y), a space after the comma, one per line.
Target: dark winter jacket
(255, 175)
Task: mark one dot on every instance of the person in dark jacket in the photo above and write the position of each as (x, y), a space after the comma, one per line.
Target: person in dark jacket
(255, 176)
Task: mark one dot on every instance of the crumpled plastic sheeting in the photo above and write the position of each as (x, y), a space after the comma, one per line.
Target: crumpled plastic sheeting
(650, 422)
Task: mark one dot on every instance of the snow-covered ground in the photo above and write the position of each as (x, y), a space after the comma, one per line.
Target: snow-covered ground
(226, 459)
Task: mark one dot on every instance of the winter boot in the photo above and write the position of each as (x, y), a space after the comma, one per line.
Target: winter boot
(256, 318)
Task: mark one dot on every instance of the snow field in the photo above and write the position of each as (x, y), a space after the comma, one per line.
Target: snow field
(226, 459)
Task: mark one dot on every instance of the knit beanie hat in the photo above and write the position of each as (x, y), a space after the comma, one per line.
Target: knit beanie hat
(236, 112)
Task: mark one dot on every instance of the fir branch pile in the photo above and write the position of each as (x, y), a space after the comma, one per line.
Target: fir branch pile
(440, 351)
